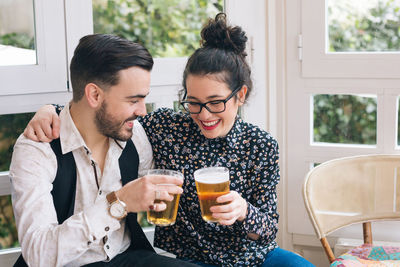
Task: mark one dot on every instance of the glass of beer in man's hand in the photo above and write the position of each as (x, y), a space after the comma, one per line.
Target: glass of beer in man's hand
(211, 182)
(167, 216)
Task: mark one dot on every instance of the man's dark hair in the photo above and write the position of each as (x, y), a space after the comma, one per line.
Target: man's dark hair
(99, 57)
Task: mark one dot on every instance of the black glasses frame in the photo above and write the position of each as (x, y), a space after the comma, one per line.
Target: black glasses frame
(204, 105)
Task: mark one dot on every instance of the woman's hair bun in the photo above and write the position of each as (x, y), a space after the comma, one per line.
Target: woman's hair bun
(217, 34)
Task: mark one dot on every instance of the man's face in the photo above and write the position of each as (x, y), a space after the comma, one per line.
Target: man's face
(123, 103)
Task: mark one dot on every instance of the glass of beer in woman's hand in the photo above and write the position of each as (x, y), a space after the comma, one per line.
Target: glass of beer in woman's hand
(211, 183)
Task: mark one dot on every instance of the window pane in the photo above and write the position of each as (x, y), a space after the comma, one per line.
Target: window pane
(363, 25)
(17, 33)
(345, 119)
(150, 107)
(8, 231)
(178, 107)
(169, 28)
(11, 126)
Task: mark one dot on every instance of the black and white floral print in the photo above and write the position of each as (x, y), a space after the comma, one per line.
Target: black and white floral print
(251, 155)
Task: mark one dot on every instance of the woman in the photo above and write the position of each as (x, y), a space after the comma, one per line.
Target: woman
(216, 82)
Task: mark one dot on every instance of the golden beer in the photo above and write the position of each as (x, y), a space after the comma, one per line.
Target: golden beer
(211, 183)
(167, 216)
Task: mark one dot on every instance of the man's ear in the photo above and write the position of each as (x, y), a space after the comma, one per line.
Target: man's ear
(242, 95)
(94, 95)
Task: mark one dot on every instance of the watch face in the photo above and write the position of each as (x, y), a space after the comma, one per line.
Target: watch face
(117, 210)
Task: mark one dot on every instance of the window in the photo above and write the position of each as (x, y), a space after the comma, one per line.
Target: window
(355, 39)
(167, 28)
(28, 25)
(344, 119)
(343, 89)
(363, 26)
(17, 33)
(8, 233)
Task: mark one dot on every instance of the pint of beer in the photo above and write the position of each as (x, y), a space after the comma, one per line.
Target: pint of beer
(167, 216)
(211, 183)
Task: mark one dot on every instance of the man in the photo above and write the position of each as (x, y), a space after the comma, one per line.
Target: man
(71, 197)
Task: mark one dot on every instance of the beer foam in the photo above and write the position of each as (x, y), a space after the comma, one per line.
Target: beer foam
(212, 178)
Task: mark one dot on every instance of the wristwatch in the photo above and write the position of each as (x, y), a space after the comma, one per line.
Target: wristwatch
(117, 208)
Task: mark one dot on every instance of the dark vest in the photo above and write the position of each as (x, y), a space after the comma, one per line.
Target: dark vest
(64, 188)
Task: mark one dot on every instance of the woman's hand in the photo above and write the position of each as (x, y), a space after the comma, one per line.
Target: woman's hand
(44, 126)
(234, 210)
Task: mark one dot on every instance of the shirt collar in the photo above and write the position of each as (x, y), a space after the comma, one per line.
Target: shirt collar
(71, 139)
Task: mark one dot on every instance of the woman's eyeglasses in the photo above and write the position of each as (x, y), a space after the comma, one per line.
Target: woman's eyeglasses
(214, 106)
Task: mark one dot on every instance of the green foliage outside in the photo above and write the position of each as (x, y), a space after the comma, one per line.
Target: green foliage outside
(8, 231)
(11, 126)
(168, 28)
(376, 30)
(20, 40)
(345, 119)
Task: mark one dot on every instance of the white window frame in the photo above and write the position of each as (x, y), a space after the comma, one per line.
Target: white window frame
(48, 75)
(331, 74)
(318, 63)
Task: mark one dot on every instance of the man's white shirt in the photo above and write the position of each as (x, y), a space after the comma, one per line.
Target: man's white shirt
(90, 234)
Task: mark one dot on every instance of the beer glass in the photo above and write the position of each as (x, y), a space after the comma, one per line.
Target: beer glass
(211, 182)
(167, 216)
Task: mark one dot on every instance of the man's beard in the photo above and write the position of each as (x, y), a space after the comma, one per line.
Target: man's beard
(108, 126)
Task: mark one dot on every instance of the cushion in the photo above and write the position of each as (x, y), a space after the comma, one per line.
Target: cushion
(369, 255)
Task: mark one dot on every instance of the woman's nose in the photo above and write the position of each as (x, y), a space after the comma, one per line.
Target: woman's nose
(204, 113)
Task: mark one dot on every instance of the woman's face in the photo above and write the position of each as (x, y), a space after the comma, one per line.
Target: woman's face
(205, 88)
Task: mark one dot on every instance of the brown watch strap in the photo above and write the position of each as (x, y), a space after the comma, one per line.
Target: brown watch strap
(111, 197)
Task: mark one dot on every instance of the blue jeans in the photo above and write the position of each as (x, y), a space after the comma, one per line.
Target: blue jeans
(276, 258)
(284, 258)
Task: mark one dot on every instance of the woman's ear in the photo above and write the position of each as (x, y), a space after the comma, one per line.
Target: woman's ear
(242, 95)
(94, 95)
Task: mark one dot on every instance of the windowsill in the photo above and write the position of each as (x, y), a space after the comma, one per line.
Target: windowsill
(9, 256)
(12, 56)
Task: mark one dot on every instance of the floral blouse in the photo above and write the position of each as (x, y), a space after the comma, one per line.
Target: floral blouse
(251, 155)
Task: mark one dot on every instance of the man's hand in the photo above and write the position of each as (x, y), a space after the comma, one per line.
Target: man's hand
(139, 194)
(44, 126)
